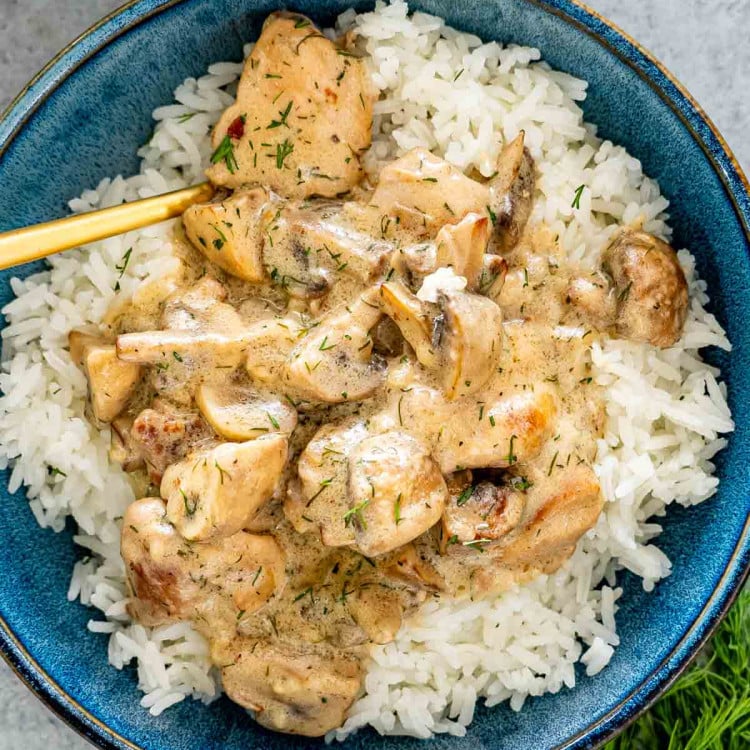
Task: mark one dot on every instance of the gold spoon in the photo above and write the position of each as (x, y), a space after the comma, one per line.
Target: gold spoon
(30, 243)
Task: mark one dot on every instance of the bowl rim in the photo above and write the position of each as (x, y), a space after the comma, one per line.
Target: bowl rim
(737, 188)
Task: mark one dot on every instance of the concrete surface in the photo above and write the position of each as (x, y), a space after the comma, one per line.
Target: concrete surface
(703, 42)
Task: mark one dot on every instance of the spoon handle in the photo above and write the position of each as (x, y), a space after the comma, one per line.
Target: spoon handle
(30, 243)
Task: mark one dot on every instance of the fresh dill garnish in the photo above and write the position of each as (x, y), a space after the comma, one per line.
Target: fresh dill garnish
(177, 356)
(623, 295)
(272, 420)
(323, 347)
(186, 117)
(282, 151)
(397, 510)
(122, 266)
(512, 458)
(577, 198)
(302, 22)
(465, 496)
(189, 508)
(257, 575)
(225, 152)
(492, 215)
(303, 594)
(492, 419)
(53, 470)
(356, 513)
(552, 463)
(221, 472)
(283, 114)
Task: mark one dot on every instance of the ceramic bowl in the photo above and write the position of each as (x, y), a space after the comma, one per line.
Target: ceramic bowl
(82, 119)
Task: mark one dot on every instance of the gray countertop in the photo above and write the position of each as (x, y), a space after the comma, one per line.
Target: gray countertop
(703, 42)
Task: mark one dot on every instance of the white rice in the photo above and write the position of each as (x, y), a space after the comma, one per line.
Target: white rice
(666, 409)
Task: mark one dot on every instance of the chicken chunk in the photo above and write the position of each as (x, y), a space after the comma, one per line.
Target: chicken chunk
(199, 308)
(444, 336)
(123, 449)
(164, 436)
(240, 413)
(111, 381)
(512, 194)
(335, 362)
(650, 287)
(396, 492)
(297, 138)
(569, 507)
(594, 298)
(297, 690)
(482, 511)
(512, 430)
(269, 343)
(214, 493)
(228, 232)
(420, 193)
(211, 584)
(320, 501)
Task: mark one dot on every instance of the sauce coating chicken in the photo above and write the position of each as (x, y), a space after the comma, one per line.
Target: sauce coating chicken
(337, 408)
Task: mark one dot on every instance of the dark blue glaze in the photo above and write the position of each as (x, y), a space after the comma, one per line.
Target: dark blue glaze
(83, 119)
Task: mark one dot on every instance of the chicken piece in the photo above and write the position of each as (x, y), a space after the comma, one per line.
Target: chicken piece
(570, 505)
(214, 493)
(111, 382)
(512, 428)
(650, 287)
(408, 566)
(483, 511)
(445, 338)
(335, 361)
(212, 583)
(462, 246)
(379, 616)
(162, 437)
(293, 689)
(199, 308)
(320, 501)
(239, 413)
(420, 193)
(302, 118)
(228, 232)
(123, 449)
(396, 492)
(269, 344)
(594, 298)
(512, 194)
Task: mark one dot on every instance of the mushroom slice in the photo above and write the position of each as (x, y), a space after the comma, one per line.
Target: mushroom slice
(297, 690)
(396, 492)
(492, 278)
(414, 318)
(201, 307)
(228, 232)
(467, 358)
(482, 511)
(269, 343)
(123, 449)
(283, 132)
(162, 348)
(319, 501)
(334, 362)
(408, 566)
(444, 336)
(462, 246)
(239, 413)
(215, 492)
(419, 193)
(512, 193)
(171, 579)
(111, 381)
(650, 286)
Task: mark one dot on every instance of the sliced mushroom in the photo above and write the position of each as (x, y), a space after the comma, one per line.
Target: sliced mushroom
(285, 133)
(334, 362)
(492, 277)
(111, 381)
(239, 413)
(205, 350)
(512, 193)
(123, 449)
(297, 690)
(319, 502)
(408, 566)
(228, 232)
(171, 579)
(199, 308)
(444, 336)
(214, 493)
(420, 193)
(650, 287)
(481, 511)
(396, 492)
(462, 246)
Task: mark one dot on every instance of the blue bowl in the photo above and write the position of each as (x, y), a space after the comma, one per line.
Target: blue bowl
(82, 119)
